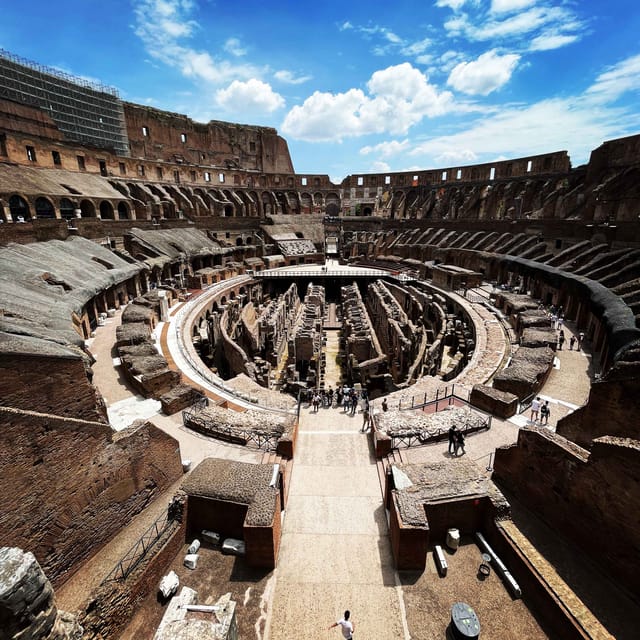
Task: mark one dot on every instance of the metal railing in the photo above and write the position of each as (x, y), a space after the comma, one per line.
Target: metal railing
(193, 418)
(412, 438)
(446, 396)
(140, 549)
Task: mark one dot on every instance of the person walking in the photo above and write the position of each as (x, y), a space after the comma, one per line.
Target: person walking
(346, 626)
(385, 406)
(545, 412)
(459, 442)
(580, 339)
(560, 339)
(366, 416)
(572, 341)
(452, 438)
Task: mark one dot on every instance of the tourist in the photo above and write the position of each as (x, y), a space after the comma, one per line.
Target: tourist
(365, 419)
(354, 402)
(330, 396)
(346, 626)
(452, 438)
(338, 397)
(580, 339)
(535, 408)
(316, 402)
(545, 412)
(560, 340)
(572, 341)
(459, 442)
(385, 406)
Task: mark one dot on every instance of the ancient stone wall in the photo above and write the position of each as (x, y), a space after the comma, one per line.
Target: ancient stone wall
(175, 137)
(76, 483)
(52, 385)
(586, 497)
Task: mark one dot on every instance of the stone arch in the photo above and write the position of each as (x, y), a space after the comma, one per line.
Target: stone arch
(123, 211)
(268, 200)
(239, 241)
(67, 209)
(106, 210)
(19, 208)
(306, 202)
(257, 203)
(318, 200)
(44, 208)
(87, 209)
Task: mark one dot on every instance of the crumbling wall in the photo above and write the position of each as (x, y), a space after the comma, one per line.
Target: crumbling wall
(586, 497)
(76, 483)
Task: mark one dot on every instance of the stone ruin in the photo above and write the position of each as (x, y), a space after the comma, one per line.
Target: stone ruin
(306, 357)
(28, 608)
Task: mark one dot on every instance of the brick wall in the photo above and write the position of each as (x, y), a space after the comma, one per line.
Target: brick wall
(588, 498)
(76, 483)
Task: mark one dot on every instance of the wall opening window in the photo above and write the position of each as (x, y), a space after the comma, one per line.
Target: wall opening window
(103, 167)
(194, 177)
(304, 182)
(141, 170)
(81, 164)
(252, 147)
(444, 176)
(360, 181)
(492, 173)
(3, 144)
(31, 154)
(183, 137)
(56, 158)
(459, 174)
(221, 177)
(145, 132)
(387, 179)
(176, 176)
(529, 166)
(159, 173)
(207, 176)
(123, 168)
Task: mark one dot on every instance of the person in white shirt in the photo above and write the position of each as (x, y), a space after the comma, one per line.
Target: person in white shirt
(535, 408)
(346, 626)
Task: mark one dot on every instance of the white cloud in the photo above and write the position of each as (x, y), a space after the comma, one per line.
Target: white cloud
(386, 149)
(616, 80)
(163, 25)
(234, 47)
(452, 4)
(251, 96)
(398, 98)
(549, 41)
(288, 77)
(553, 124)
(502, 6)
(456, 156)
(484, 75)
(345, 26)
(517, 25)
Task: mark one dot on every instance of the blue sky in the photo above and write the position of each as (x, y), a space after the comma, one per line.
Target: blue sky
(361, 86)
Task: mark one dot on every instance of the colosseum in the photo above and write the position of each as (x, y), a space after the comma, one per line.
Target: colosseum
(237, 400)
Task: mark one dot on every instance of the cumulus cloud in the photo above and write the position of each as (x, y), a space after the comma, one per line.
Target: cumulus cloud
(251, 96)
(549, 41)
(379, 167)
(451, 4)
(398, 97)
(484, 75)
(288, 77)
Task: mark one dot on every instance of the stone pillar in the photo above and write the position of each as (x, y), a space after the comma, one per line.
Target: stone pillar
(27, 606)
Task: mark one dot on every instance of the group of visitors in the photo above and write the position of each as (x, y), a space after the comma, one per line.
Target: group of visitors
(456, 440)
(540, 411)
(346, 397)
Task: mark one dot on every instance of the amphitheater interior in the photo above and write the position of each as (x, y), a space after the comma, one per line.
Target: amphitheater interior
(240, 288)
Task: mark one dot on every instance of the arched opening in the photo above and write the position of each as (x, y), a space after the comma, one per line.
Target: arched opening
(44, 208)
(239, 241)
(19, 209)
(87, 209)
(123, 211)
(67, 209)
(367, 211)
(228, 211)
(106, 210)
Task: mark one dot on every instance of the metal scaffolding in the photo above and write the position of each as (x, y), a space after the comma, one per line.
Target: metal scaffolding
(86, 112)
